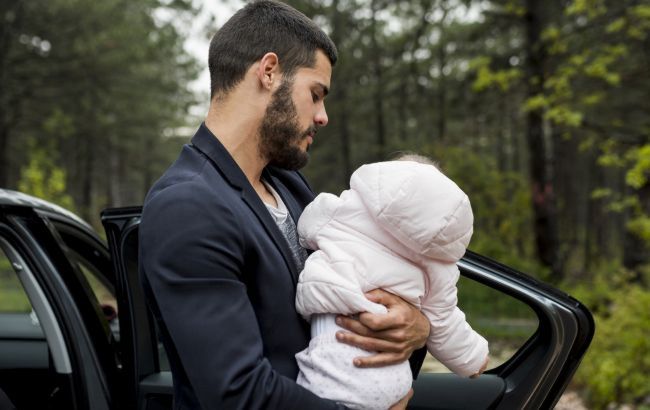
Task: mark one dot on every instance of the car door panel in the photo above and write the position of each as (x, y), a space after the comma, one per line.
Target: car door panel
(25, 361)
(448, 391)
(157, 391)
(22, 343)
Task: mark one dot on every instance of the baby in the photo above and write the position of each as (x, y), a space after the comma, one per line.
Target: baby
(401, 227)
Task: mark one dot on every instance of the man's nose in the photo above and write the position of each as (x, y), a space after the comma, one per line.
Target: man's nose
(321, 117)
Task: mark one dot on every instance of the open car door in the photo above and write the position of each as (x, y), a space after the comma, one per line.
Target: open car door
(531, 375)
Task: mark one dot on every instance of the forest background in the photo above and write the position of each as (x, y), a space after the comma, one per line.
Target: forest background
(540, 110)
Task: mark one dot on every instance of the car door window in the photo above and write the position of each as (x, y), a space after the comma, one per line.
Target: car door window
(505, 322)
(103, 292)
(12, 296)
(91, 258)
(104, 295)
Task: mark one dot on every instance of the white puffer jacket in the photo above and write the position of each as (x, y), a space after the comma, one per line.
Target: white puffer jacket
(401, 227)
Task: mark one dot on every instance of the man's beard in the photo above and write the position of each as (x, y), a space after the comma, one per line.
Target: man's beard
(280, 131)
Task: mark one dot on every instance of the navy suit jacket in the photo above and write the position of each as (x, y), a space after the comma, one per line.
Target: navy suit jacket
(220, 280)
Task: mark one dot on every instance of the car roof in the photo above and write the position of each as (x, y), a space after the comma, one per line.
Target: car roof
(15, 198)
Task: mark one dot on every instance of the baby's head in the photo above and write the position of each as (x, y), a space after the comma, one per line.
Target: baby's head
(421, 207)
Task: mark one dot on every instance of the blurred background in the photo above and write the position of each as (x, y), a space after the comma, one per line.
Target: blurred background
(539, 110)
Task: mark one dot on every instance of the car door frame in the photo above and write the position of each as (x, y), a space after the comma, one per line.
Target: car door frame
(537, 374)
(147, 386)
(30, 233)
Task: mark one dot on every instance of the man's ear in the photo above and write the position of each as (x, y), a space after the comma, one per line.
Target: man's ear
(268, 71)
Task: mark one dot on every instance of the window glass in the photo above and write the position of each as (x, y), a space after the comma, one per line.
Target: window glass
(505, 322)
(85, 254)
(105, 297)
(12, 296)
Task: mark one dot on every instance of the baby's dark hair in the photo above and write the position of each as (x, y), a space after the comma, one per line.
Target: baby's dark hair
(410, 156)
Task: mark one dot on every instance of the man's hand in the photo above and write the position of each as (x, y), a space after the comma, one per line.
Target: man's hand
(394, 335)
(401, 405)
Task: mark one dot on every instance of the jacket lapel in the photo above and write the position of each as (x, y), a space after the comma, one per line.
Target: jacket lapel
(210, 146)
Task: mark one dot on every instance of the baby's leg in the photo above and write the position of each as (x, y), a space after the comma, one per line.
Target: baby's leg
(326, 369)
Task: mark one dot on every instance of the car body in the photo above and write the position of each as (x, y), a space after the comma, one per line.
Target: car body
(71, 351)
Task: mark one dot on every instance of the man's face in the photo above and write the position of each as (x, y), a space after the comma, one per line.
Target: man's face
(295, 113)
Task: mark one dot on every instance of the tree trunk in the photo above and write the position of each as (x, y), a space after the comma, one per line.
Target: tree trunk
(87, 178)
(345, 145)
(501, 146)
(8, 32)
(402, 114)
(342, 97)
(442, 83)
(4, 155)
(636, 251)
(379, 86)
(113, 175)
(148, 177)
(540, 172)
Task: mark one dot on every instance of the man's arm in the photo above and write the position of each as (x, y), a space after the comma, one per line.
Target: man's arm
(395, 335)
(192, 255)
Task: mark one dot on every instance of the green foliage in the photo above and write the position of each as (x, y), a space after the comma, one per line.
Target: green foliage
(639, 22)
(536, 102)
(637, 174)
(99, 83)
(640, 226)
(42, 178)
(487, 78)
(591, 8)
(611, 159)
(563, 115)
(636, 161)
(501, 206)
(616, 367)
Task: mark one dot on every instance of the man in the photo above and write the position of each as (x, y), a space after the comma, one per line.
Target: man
(219, 256)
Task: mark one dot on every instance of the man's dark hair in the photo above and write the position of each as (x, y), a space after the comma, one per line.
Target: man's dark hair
(259, 28)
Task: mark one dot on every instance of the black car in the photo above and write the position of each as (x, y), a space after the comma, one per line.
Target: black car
(75, 332)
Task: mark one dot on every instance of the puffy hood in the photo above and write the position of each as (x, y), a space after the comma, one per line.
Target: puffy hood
(417, 205)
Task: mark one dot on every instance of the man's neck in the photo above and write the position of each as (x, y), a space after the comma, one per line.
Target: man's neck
(239, 134)
(237, 128)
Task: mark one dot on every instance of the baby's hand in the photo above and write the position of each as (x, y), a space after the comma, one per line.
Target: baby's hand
(481, 370)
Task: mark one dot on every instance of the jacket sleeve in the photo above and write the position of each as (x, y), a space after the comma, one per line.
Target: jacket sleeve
(191, 255)
(452, 340)
(330, 285)
(314, 217)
